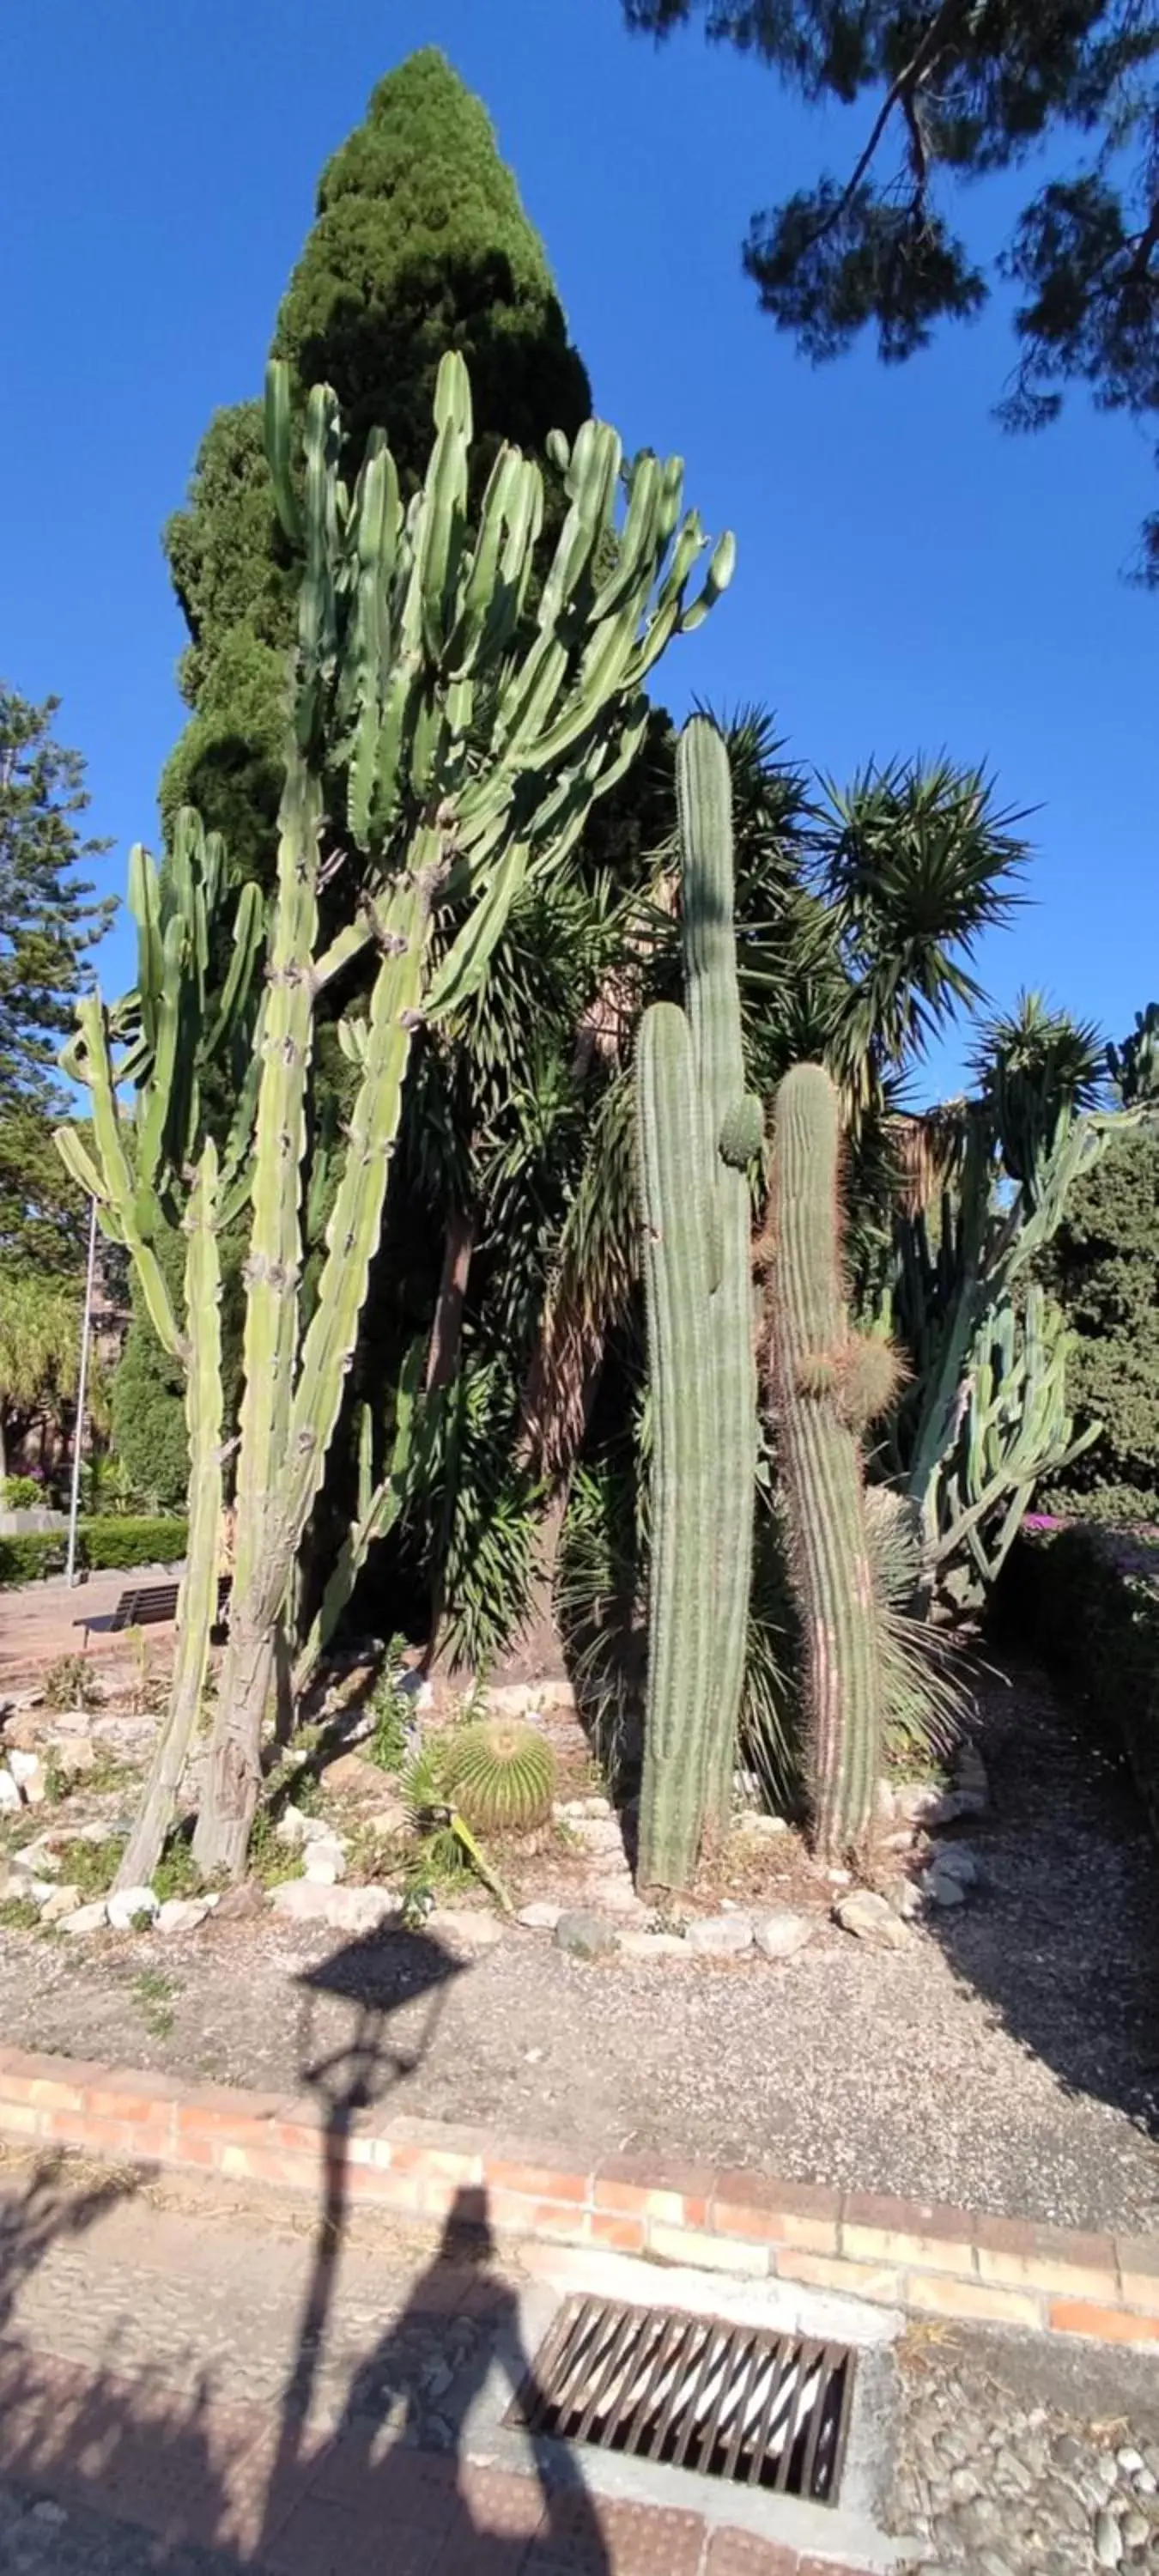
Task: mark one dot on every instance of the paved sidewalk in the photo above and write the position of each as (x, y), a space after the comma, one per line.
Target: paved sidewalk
(178, 2370)
(38, 1623)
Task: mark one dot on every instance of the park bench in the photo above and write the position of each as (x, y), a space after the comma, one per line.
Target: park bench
(150, 1605)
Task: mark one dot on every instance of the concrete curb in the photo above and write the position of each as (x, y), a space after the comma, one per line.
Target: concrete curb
(918, 2256)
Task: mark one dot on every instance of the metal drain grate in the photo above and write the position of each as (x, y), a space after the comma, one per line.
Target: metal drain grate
(736, 2402)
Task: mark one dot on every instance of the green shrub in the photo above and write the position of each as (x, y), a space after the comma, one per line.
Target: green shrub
(21, 1493)
(29, 1558)
(1087, 1601)
(111, 1544)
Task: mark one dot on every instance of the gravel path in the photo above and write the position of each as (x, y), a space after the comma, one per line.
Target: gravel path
(1006, 2059)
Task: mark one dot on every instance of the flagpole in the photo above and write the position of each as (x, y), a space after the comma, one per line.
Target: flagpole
(82, 1385)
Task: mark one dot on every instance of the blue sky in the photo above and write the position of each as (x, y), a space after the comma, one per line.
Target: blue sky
(908, 577)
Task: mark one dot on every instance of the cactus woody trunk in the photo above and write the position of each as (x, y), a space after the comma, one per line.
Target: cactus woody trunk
(809, 1349)
(697, 1130)
(406, 633)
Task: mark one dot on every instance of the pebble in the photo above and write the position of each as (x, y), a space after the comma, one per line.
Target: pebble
(1135, 2529)
(183, 1913)
(763, 1827)
(1108, 2539)
(869, 1918)
(10, 1799)
(941, 1890)
(904, 1899)
(360, 1909)
(540, 1916)
(584, 1936)
(465, 1923)
(653, 1945)
(957, 1860)
(719, 1936)
(87, 1918)
(60, 1902)
(780, 1934)
(1130, 2462)
(127, 1904)
(325, 1863)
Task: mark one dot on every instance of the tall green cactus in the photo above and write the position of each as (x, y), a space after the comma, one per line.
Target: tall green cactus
(697, 1130)
(475, 734)
(151, 1167)
(818, 1381)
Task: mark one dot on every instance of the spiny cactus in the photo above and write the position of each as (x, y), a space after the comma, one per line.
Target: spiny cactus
(502, 1776)
(810, 1347)
(697, 1130)
(149, 1168)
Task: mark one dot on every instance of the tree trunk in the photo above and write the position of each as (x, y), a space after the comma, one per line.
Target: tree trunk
(234, 1775)
(447, 1329)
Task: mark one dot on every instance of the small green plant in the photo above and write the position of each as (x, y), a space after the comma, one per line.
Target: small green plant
(153, 1994)
(667, 1919)
(20, 1493)
(502, 1774)
(177, 1873)
(70, 1682)
(271, 1861)
(18, 1914)
(446, 1843)
(390, 1707)
(90, 1867)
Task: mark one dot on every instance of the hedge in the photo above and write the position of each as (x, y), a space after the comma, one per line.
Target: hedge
(1086, 1601)
(103, 1546)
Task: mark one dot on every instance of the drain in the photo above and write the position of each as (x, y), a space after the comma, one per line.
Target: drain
(729, 2401)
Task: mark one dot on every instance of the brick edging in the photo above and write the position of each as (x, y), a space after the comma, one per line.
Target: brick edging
(916, 2255)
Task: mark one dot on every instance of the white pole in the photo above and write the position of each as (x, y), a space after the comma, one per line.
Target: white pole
(82, 1382)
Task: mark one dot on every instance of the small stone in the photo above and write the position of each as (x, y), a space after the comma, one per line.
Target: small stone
(295, 1828)
(10, 1798)
(126, 1906)
(573, 1809)
(617, 1896)
(298, 1900)
(1145, 2481)
(583, 1936)
(956, 1860)
(719, 1936)
(599, 1833)
(839, 1877)
(970, 1770)
(1130, 2461)
(52, 2515)
(27, 1770)
(241, 1904)
(903, 1899)
(921, 1802)
(980, 2521)
(964, 2486)
(438, 2379)
(87, 1918)
(653, 1945)
(540, 1916)
(1136, 2530)
(940, 1889)
(182, 1913)
(465, 1923)
(351, 1774)
(780, 1934)
(870, 1919)
(360, 1909)
(1066, 2452)
(74, 1756)
(883, 1806)
(60, 1902)
(763, 1827)
(1108, 2539)
(324, 1864)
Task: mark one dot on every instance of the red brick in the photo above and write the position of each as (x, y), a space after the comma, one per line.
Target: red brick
(677, 2194)
(127, 2094)
(446, 2164)
(542, 2180)
(1046, 2258)
(561, 2218)
(1103, 2325)
(792, 2213)
(102, 2137)
(1138, 2259)
(587, 2535)
(625, 2235)
(938, 2295)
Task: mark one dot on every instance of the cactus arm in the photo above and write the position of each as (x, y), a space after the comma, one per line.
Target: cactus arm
(197, 1599)
(821, 1464)
(682, 1492)
(704, 798)
(378, 1510)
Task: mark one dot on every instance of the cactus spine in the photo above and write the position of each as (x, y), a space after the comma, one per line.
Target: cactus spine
(697, 1131)
(809, 1350)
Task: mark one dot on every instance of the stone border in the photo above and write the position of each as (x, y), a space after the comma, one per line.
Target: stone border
(930, 2260)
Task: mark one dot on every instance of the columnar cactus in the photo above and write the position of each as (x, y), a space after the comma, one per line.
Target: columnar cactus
(825, 1384)
(151, 1168)
(697, 1130)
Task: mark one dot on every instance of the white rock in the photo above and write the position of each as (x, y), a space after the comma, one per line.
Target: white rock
(182, 1913)
(24, 1766)
(324, 1864)
(653, 1945)
(299, 1900)
(554, 1694)
(87, 1918)
(39, 1858)
(780, 1934)
(904, 1899)
(956, 1860)
(37, 1890)
(539, 1917)
(883, 1802)
(762, 1826)
(294, 1828)
(126, 1904)
(916, 1800)
(10, 1798)
(839, 1877)
(465, 1923)
(617, 1895)
(719, 1936)
(570, 1809)
(74, 1756)
(508, 1699)
(941, 1890)
(870, 1919)
(599, 1834)
(59, 1902)
(361, 1909)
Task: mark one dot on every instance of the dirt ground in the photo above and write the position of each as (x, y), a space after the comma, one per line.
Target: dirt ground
(1006, 2058)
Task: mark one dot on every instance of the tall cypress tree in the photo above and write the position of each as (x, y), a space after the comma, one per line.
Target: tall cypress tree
(420, 245)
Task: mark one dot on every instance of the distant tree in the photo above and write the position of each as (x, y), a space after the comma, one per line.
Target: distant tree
(39, 1350)
(420, 245)
(1105, 1274)
(956, 92)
